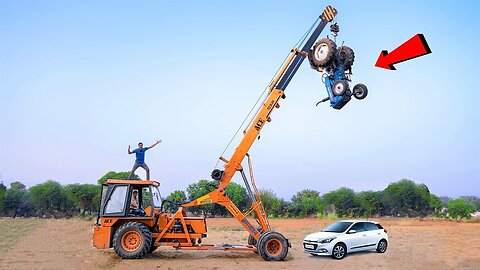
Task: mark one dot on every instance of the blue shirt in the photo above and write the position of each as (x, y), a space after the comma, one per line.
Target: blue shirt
(140, 154)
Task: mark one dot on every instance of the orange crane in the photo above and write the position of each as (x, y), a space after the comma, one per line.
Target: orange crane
(133, 235)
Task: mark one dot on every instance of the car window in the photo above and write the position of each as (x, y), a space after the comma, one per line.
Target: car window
(358, 227)
(337, 227)
(379, 227)
(370, 226)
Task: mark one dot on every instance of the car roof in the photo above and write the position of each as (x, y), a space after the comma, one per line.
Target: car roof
(133, 182)
(356, 220)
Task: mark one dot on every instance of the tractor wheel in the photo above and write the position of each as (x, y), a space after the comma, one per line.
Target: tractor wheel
(132, 240)
(322, 53)
(360, 91)
(272, 246)
(339, 87)
(346, 56)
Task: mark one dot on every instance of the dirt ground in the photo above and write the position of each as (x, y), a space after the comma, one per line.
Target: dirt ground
(414, 244)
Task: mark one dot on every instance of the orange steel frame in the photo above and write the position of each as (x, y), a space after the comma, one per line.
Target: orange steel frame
(234, 164)
(163, 224)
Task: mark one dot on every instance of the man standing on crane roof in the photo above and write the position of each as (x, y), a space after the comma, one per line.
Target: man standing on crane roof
(140, 158)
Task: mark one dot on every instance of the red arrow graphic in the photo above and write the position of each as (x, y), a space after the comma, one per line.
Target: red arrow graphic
(414, 47)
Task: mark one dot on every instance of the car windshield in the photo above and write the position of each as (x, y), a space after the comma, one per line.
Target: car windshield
(337, 227)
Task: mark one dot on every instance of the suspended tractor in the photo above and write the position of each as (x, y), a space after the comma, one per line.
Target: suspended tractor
(335, 63)
(135, 229)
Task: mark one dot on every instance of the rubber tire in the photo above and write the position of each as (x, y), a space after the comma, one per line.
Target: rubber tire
(381, 250)
(152, 248)
(339, 87)
(360, 91)
(346, 57)
(251, 241)
(332, 50)
(342, 255)
(143, 248)
(263, 242)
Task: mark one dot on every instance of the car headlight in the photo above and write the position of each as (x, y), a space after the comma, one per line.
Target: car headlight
(328, 240)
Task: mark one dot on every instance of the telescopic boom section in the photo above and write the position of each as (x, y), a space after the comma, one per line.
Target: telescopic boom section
(277, 89)
(276, 92)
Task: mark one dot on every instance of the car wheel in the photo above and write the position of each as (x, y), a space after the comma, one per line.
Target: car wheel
(339, 251)
(360, 91)
(322, 53)
(339, 87)
(382, 246)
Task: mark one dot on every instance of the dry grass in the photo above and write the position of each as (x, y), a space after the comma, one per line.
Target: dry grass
(12, 230)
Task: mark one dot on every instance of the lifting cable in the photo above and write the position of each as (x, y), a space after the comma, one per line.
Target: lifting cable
(299, 43)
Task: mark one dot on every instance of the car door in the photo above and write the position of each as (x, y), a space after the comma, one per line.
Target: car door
(356, 241)
(373, 234)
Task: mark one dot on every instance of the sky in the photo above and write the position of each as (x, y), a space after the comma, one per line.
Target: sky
(82, 80)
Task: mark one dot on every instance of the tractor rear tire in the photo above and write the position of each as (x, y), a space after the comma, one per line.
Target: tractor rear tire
(322, 53)
(132, 240)
(360, 91)
(346, 57)
(339, 87)
(272, 246)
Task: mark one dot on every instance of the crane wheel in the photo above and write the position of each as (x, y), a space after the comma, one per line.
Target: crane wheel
(272, 246)
(251, 241)
(152, 248)
(360, 91)
(339, 87)
(132, 240)
(322, 53)
(346, 57)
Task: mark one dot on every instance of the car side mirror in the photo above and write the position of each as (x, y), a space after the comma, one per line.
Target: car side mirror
(352, 231)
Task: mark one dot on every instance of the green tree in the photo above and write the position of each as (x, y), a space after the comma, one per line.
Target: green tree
(473, 200)
(370, 202)
(271, 203)
(405, 195)
(176, 196)
(344, 200)
(116, 175)
(85, 197)
(306, 202)
(48, 196)
(3, 193)
(435, 203)
(459, 208)
(15, 201)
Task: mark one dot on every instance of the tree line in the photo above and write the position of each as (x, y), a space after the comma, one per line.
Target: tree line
(401, 198)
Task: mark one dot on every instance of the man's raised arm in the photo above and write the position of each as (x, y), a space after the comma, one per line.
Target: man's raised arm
(129, 152)
(153, 145)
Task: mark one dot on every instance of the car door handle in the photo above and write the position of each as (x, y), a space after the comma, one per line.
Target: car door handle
(364, 235)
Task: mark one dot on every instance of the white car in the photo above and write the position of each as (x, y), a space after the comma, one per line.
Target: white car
(347, 236)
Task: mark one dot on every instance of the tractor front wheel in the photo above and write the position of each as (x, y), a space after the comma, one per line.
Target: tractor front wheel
(272, 246)
(339, 87)
(360, 91)
(132, 240)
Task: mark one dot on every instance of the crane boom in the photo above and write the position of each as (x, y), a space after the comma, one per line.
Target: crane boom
(276, 92)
